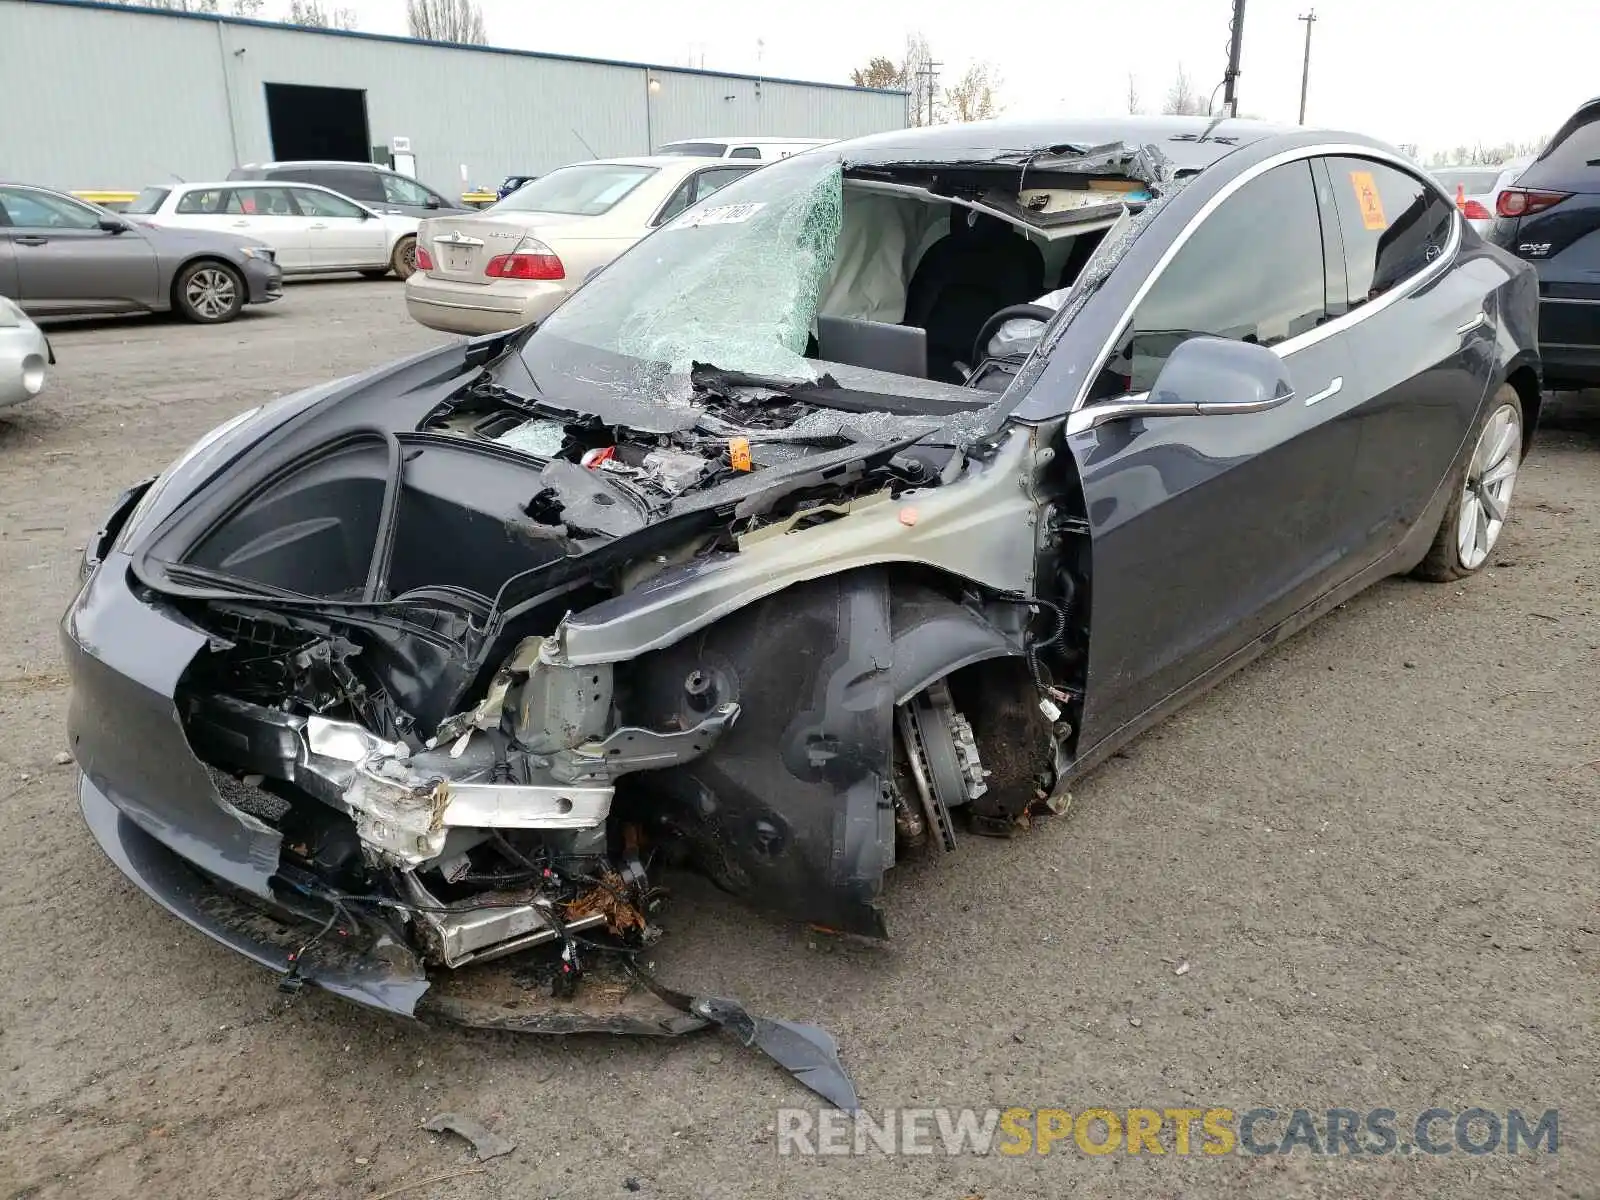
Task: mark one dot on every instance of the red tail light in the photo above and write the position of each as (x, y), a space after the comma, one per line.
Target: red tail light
(1519, 202)
(525, 266)
(1473, 211)
(424, 260)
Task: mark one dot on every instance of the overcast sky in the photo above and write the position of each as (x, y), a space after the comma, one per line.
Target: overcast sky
(1437, 73)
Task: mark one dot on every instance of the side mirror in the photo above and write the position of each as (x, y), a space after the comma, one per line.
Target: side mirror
(1203, 376)
(113, 224)
(434, 202)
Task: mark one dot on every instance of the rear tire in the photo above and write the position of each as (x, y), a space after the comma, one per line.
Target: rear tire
(1480, 503)
(403, 262)
(208, 292)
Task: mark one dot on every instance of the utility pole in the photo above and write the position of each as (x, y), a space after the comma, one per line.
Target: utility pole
(1230, 90)
(928, 72)
(1310, 19)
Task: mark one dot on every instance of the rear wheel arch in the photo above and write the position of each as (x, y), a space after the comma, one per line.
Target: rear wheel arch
(1525, 378)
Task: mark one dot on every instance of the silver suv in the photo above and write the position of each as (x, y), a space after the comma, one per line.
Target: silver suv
(377, 187)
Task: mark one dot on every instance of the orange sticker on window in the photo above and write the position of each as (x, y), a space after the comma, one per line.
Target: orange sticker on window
(1371, 203)
(739, 453)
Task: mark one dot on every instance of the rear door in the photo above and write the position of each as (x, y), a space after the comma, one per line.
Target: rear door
(1553, 220)
(1210, 530)
(1421, 333)
(66, 263)
(267, 212)
(342, 234)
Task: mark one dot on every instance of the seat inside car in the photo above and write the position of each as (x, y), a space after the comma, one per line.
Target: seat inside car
(980, 267)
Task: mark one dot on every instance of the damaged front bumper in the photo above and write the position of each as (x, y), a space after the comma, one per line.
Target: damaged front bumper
(159, 816)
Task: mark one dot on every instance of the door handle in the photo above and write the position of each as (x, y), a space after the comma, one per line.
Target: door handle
(241, 224)
(31, 239)
(1481, 319)
(319, 225)
(1333, 389)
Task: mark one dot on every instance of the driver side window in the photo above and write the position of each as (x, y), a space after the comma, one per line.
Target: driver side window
(1252, 271)
(40, 210)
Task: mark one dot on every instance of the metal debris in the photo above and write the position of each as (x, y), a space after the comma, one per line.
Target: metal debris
(486, 1143)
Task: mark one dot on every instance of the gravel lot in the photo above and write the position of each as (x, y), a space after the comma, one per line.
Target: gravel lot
(1376, 849)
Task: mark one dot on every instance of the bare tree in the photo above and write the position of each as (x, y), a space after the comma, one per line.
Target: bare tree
(459, 21)
(916, 65)
(311, 13)
(973, 96)
(1182, 99)
(1133, 93)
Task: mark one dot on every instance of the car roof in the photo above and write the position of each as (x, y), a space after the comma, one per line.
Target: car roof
(1192, 143)
(234, 183)
(728, 140)
(680, 162)
(316, 162)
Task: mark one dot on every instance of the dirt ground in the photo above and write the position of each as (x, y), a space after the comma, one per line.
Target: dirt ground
(1376, 849)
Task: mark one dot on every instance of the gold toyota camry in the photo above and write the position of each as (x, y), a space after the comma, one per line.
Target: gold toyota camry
(512, 263)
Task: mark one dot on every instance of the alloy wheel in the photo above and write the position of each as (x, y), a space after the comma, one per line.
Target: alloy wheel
(1486, 495)
(210, 293)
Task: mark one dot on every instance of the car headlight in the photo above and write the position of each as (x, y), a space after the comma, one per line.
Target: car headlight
(147, 501)
(265, 253)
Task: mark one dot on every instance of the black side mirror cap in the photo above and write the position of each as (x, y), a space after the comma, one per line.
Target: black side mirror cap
(113, 225)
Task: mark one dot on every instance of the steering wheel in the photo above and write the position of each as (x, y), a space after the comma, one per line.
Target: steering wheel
(990, 327)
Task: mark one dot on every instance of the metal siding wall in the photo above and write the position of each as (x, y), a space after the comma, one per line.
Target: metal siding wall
(689, 106)
(91, 99)
(111, 99)
(495, 114)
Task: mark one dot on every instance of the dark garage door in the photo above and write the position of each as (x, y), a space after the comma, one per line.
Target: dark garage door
(317, 122)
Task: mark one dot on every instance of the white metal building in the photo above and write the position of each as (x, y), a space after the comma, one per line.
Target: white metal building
(98, 96)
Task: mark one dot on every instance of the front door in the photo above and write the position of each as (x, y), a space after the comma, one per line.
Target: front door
(1209, 530)
(65, 262)
(343, 234)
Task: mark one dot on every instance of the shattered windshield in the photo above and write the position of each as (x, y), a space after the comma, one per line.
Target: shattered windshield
(732, 282)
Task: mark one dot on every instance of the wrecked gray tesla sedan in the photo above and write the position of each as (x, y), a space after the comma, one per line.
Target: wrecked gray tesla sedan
(757, 556)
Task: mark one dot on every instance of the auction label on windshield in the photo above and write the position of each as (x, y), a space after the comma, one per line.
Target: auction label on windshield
(1371, 202)
(722, 214)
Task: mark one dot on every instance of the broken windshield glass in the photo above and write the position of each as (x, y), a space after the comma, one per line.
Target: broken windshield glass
(733, 282)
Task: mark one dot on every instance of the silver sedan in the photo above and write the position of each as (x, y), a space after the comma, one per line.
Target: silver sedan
(24, 356)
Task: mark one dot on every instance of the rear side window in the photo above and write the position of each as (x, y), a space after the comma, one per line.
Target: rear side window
(584, 190)
(148, 201)
(1393, 224)
(1252, 271)
(1572, 159)
(212, 200)
(745, 152)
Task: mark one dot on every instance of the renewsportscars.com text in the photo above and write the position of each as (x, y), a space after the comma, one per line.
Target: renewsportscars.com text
(1205, 1132)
